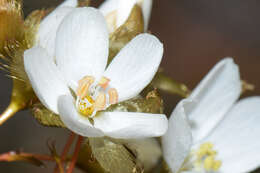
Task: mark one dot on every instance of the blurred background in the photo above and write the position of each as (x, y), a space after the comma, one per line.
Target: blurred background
(196, 35)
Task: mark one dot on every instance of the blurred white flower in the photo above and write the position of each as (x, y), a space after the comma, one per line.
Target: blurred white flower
(117, 11)
(81, 52)
(213, 132)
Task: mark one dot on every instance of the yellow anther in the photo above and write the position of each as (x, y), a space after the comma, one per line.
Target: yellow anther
(210, 164)
(205, 149)
(104, 82)
(100, 103)
(216, 165)
(84, 85)
(205, 158)
(113, 96)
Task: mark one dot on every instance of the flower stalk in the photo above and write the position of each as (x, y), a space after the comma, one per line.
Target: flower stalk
(75, 155)
(65, 152)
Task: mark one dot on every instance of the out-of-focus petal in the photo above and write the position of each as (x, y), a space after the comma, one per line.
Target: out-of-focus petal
(69, 3)
(177, 141)
(108, 6)
(236, 138)
(146, 8)
(214, 96)
(125, 7)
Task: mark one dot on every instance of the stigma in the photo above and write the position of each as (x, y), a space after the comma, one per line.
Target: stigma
(94, 96)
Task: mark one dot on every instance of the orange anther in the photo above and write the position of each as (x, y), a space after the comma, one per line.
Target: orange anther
(84, 85)
(100, 102)
(113, 96)
(104, 82)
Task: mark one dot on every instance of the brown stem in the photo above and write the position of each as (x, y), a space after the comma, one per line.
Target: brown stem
(75, 155)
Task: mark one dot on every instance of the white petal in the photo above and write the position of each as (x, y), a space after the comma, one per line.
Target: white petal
(108, 6)
(124, 10)
(69, 3)
(135, 65)
(131, 125)
(47, 31)
(82, 44)
(146, 8)
(44, 77)
(125, 7)
(236, 138)
(73, 120)
(177, 141)
(215, 95)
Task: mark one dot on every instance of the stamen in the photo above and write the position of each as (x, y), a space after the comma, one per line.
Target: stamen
(92, 96)
(113, 96)
(100, 102)
(84, 85)
(210, 164)
(206, 158)
(104, 82)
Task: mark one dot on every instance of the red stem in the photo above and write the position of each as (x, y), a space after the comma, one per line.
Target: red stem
(75, 155)
(10, 156)
(39, 156)
(64, 152)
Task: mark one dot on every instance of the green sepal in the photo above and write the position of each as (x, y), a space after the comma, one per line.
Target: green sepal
(133, 26)
(152, 103)
(114, 157)
(84, 3)
(165, 83)
(45, 116)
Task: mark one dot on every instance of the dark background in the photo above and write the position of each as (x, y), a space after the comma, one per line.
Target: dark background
(196, 34)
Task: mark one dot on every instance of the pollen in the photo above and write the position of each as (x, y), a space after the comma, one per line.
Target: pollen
(206, 158)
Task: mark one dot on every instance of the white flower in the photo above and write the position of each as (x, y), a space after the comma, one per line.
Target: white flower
(117, 11)
(213, 132)
(46, 34)
(81, 52)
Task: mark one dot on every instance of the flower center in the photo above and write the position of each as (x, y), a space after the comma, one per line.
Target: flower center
(94, 96)
(203, 159)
